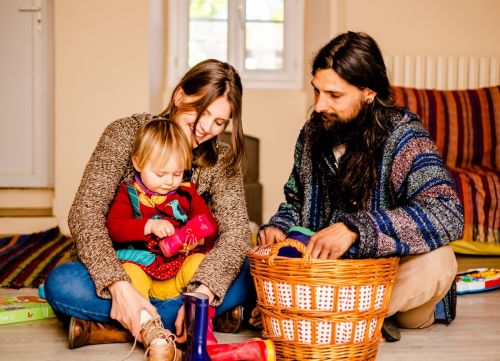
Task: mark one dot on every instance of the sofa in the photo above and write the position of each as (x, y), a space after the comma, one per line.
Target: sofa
(465, 124)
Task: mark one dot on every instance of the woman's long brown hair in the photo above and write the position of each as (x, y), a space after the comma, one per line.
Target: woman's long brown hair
(208, 81)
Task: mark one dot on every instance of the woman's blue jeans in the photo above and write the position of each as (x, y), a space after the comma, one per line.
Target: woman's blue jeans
(70, 291)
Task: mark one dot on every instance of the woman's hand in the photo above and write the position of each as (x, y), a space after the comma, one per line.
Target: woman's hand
(270, 235)
(332, 241)
(180, 332)
(126, 306)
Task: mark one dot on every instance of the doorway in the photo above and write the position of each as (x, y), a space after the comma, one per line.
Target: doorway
(26, 94)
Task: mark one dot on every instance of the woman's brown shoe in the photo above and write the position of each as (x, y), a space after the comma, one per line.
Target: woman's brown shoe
(230, 321)
(83, 333)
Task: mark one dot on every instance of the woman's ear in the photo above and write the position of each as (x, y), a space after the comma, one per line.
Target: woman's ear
(136, 164)
(178, 95)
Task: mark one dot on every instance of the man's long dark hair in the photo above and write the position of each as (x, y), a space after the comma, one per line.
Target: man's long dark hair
(357, 58)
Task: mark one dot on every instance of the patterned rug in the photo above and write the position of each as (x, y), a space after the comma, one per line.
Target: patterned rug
(26, 259)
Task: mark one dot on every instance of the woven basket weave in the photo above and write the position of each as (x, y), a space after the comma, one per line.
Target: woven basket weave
(321, 309)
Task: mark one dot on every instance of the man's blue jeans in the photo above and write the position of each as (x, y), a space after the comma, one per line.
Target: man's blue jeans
(70, 291)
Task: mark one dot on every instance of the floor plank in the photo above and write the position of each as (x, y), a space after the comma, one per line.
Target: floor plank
(473, 336)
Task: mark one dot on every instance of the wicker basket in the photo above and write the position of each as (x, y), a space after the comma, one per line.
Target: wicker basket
(321, 309)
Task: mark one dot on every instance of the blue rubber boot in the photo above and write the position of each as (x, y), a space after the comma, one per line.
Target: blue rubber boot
(196, 322)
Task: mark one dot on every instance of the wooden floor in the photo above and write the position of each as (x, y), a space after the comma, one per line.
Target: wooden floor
(473, 336)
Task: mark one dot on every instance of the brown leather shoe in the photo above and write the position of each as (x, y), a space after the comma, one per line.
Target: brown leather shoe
(83, 333)
(230, 321)
(255, 319)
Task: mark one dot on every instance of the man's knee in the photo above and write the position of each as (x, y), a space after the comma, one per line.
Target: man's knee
(424, 281)
(422, 278)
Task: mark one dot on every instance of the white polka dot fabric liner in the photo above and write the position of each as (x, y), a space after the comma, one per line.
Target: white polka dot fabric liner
(325, 298)
(324, 333)
(365, 298)
(304, 296)
(379, 298)
(288, 328)
(373, 326)
(275, 325)
(285, 294)
(343, 330)
(347, 297)
(269, 291)
(359, 333)
(304, 329)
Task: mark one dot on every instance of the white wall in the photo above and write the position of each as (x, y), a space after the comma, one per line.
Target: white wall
(105, 70)
(428, 27)
(102, 73)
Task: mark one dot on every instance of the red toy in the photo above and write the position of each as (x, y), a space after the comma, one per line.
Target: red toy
(187, 237)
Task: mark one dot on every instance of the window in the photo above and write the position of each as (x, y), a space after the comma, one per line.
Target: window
(263, 39)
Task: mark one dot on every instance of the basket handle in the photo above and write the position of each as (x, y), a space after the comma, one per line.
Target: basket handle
(306, 255)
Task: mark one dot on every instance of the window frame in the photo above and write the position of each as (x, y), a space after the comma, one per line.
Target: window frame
(290, 77)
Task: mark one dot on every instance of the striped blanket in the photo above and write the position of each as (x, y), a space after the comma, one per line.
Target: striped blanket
(26, 260)
(465, 124)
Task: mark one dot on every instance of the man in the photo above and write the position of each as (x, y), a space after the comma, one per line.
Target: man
(369, 180)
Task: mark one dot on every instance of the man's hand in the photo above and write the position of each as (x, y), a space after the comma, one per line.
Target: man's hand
(270, 235)
(126, 306)
(161, 228)
(332, 241)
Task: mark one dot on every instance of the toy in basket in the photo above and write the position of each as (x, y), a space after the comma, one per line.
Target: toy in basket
(321, 309)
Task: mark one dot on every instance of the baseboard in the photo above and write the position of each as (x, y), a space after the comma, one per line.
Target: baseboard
(24, 225)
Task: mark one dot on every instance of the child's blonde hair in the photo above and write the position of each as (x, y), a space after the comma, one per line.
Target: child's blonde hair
(161, 138)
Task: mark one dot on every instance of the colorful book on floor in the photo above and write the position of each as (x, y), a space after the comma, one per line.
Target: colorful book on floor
(478, 280)
(23, 308)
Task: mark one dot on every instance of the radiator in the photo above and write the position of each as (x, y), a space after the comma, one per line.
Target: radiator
(443, 73)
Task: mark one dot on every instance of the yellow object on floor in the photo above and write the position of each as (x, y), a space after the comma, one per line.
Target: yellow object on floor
(476, 248)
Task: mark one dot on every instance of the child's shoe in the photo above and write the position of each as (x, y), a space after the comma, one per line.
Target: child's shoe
(161, 350)
(158, 341)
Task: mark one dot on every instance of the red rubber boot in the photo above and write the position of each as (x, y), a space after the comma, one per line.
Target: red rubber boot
(253, 349)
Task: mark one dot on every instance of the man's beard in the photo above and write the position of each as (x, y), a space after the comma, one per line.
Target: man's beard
(333, 131)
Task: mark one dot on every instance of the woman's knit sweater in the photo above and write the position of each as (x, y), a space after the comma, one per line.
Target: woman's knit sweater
(414, 209)
(109, 165)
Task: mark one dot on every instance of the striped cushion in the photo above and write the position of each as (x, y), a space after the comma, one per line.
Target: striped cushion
(465, 124)
(479, 192)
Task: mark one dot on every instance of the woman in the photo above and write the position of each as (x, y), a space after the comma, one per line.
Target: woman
(96, 288)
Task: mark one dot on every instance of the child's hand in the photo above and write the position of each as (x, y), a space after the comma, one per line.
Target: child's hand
(161, 228)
